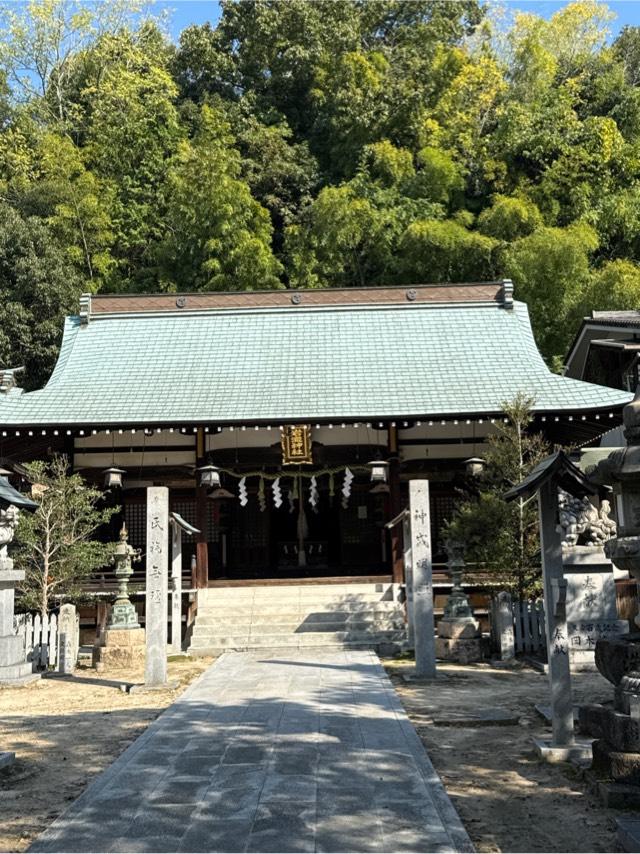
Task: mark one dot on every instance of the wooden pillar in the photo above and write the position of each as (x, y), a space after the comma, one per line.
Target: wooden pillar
(396, 557)
(202, 547)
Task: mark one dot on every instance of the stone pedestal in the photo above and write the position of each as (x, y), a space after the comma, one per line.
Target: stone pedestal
(459, 641)
(14, 668)
(458, 632)
(616, 751)
(592, 613)
(120, 649)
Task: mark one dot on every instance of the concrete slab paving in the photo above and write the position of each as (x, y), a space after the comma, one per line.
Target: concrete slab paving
(296, 751)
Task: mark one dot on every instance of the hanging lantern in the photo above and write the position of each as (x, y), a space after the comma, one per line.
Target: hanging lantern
(379, 469)
(209, 476)
(113, 477)
(474, 466)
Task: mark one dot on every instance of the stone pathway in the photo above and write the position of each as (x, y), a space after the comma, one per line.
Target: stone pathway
(298, 751)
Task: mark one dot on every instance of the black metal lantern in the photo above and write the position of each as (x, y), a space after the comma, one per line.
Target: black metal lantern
(474, 466)
(379, 471)
(209, 476)
(113, 477)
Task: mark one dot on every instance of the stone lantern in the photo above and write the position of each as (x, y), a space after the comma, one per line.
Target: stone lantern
(123, 614)
(14, 668)
(616, 750)
(121, 645)
(459, 636)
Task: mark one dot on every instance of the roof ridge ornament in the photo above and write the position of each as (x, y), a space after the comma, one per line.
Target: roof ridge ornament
(507, 293)
(8, 382)
(85, 308)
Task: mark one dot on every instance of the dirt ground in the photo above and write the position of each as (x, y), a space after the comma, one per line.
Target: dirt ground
(64, 731)
(507, 798)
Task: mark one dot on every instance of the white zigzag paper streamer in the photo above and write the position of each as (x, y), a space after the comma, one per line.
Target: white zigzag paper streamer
(346, 486)
(277, 492)
(242, 492)
(313, 493)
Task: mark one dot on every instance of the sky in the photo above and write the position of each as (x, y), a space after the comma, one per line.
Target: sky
(185, 12)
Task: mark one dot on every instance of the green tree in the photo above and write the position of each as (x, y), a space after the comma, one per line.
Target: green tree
(40, 43)
(509, 218)
(614, 287)
(550, 271)
(218, 236)
(38, 287)
(55, 544)
(504, 537)
(433, 251)
(75, 203)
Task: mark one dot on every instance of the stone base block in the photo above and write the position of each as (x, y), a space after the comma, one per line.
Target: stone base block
(20, 681)
(618, 730)
(580, 751)
(120, 649)
(455, 629)
(614, 764)
(582, 661)
(170, 685)
(460, 650)
(11, 650)
(620, 796)
(123, 637)
(18, 673)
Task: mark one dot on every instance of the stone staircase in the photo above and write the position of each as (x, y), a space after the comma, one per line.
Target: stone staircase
(290, 616)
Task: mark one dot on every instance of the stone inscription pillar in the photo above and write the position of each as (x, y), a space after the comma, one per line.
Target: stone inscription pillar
(157, 585)
(422, 577)
(67, 639)
(555, 592)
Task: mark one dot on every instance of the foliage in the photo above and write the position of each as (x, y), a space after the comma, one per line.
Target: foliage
(55, 548)
(38, 287)
(332, 143)
(219, 236)
(501, 536)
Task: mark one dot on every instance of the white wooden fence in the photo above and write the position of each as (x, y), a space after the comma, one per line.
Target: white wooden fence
(526, 634)
(40, 638)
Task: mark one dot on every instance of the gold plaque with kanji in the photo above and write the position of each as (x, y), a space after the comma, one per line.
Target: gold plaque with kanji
(296, 445)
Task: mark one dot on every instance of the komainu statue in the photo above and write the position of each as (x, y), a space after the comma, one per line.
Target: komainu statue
(582, 523)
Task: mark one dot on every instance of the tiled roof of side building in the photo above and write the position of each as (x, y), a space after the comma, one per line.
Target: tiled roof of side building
(405, 356)
(623, 318)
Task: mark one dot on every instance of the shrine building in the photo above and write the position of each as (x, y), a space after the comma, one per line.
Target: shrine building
(262, 412)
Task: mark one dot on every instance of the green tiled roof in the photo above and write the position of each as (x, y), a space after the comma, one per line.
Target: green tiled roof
(309, 363)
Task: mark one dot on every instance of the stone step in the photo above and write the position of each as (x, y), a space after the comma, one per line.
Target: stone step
(283, 613)
(329, 647)
(297, 626)
(302, 590)
(300, 638)
(275, 631)
(285, 607)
